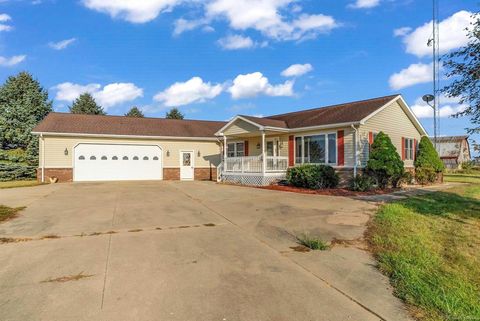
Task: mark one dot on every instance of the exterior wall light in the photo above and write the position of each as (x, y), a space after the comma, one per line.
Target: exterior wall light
(168, 153)
(258, 146)
(199, 154)
(65, 152)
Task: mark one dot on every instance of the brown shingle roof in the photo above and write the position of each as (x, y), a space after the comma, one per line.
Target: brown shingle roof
(120, 125)
(336, 114)
(266, 121)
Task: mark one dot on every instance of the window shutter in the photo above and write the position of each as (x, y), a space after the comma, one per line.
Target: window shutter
(403, 148)
(341, 147)
(370, 138)
(414, 149)
(245, 147)
(291, 151)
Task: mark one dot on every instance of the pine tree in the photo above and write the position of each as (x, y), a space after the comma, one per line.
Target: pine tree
(174, 113)
(135, 112)
(384, 164)
(427, 164)
(85, 104)
(23, 104)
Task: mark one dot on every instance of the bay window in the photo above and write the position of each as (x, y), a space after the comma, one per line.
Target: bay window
(316, 149)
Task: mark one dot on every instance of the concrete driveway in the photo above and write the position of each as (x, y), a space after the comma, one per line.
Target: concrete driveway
(186, 251)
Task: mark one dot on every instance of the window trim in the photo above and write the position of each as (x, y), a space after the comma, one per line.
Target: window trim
(235, 142)
(407, 150)
(326, 148)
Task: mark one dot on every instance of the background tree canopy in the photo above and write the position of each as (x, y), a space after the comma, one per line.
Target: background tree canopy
(174, 113)
(135, 112)
(463, 65)
(85, 104)
(23, 104)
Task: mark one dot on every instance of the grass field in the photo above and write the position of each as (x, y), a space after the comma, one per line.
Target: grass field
(13, 184)
(429, 246)
(473, 177)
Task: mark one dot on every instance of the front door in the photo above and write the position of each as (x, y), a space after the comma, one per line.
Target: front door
(186, 166)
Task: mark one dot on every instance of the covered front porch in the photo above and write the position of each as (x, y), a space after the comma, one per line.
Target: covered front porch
(253, 154)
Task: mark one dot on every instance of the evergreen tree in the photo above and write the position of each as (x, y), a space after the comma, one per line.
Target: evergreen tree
(463, 66)
(23, 104)
(135, 112)
(174, 113)
(384, 164)
(85, 104)
(427, 164)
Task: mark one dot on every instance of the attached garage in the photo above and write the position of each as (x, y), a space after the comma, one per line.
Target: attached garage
(117, 162)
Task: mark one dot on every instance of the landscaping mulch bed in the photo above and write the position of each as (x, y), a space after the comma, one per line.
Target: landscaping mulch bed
(328, 192)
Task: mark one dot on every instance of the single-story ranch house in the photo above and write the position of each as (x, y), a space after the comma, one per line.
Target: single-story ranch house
(258, 151)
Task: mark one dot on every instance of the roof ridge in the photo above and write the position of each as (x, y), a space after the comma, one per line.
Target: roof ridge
(120, 116)
(333, 106)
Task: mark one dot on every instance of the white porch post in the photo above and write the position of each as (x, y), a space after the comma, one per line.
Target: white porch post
(224, 148)
(264, 159)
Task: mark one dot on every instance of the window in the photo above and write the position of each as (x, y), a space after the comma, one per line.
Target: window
(93, 158)
(125, 158)
(155, 158)
(409, 155)
(104, 157)
(145, 158)
(135, 157)
(81, 157)
(316, 149)
(114, 158)
(236, 149)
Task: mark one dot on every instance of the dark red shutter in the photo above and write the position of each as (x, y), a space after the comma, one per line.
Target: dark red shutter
(403, 148)
(245, 146)
(291, 151)
(341, 147)
(370, 138)
(414, 149)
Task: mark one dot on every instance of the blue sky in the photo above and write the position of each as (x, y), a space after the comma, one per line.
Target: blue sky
(217, 58)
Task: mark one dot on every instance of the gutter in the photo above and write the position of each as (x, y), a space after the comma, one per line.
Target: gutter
(126, 136)
(43, 158)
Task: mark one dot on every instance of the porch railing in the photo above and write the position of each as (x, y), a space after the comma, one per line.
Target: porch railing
(254, 164)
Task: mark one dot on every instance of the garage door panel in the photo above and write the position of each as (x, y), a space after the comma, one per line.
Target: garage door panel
(99, 162)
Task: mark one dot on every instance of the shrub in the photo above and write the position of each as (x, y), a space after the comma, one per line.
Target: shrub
(313, 176)
(427, 164)
(384, 164)
(16, 171)
(468, 167)
(361, 183)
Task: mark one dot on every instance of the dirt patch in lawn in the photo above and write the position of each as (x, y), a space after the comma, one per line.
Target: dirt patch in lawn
(68, 278)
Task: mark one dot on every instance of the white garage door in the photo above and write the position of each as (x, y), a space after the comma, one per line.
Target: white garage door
(98, 162)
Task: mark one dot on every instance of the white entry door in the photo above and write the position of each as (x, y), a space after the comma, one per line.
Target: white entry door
(117, 162)
(186, 165)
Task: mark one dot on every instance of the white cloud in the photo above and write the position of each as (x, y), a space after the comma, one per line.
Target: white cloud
(265, 16)
(297, 70)
(62, 44)
(235, 42)
(448, 107)
(12, 61)
(108, 96)
(191, 91)
(414, 74)
(181, 25)
(452, 35)
(139, 11)
(4, 27)
(403, 31)
(254, 84)
(5, 17)
(364, 4)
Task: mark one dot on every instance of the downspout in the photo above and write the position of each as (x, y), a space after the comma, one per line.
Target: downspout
(43, 158)
(355, 151)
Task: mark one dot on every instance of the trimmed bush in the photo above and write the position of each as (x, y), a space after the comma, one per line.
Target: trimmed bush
(427, 164)
(361, 183)
(313, 176)
(384, 164)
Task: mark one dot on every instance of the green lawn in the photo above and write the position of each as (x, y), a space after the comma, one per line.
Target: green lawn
(12, 184)
(473, 177)
(429, 246)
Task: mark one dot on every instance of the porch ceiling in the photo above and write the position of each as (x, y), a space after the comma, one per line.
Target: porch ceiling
(256, 133)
